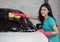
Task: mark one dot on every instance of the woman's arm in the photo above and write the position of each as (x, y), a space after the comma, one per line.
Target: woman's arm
(55, 30)
(32, 17)
(13, 14)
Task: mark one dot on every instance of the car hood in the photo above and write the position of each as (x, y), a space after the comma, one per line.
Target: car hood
(22, 37)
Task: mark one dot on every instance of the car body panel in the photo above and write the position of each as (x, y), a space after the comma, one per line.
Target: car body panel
(22, 37)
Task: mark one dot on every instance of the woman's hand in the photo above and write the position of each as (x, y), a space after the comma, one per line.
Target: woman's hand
(45, 33)
(16, 14)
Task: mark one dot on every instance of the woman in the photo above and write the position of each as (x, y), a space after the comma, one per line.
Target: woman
(47, 20)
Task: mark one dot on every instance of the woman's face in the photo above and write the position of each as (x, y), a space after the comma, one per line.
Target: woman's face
(44, 11)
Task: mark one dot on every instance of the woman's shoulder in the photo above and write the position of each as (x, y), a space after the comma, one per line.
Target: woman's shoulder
(50, 18)
(51, 21)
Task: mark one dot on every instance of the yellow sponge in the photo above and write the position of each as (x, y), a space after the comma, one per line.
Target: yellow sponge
(13, 16)
(10, 15)
(17, 16)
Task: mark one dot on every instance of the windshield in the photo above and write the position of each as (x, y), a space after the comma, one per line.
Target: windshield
(14, 25)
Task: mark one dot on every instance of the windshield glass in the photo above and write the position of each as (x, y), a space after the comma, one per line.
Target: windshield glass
(14, 25)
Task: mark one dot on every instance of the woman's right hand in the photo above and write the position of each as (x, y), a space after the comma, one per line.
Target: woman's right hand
(16, 15)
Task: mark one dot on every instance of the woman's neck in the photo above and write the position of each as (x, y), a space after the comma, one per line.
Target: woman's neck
(45, 17)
